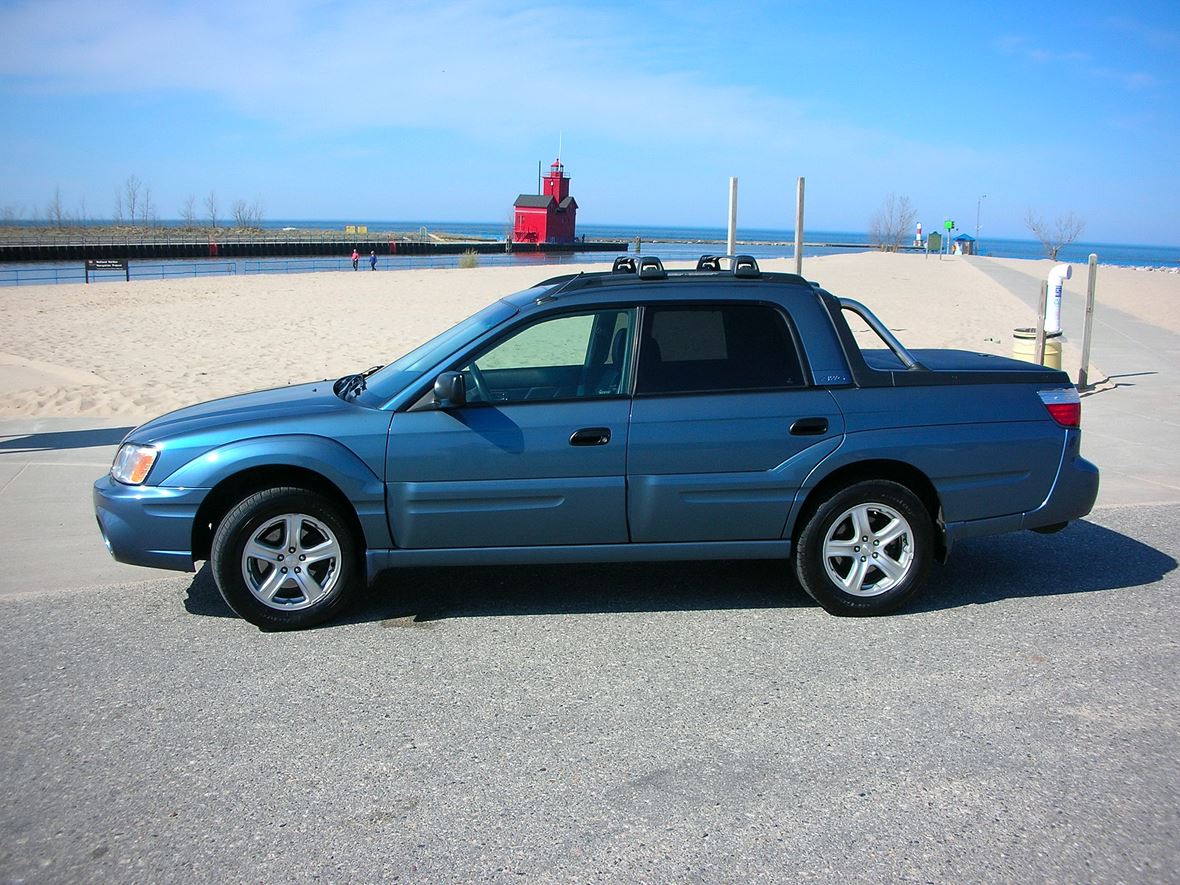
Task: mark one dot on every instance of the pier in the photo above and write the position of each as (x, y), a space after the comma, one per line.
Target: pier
(86, 248)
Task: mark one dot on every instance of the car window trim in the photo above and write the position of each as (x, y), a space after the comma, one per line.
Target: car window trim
(805, 370)
(414, 403)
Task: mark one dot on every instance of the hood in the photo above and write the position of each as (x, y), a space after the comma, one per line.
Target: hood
(262, 407)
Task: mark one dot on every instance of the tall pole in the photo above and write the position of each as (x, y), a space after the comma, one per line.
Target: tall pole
(1039, 347)
(1084, 372)
(978, 206)
(731, 241)
(538, 178)
(799, 228)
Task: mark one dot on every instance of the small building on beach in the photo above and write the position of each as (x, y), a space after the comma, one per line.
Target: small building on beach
(966, 244)
(547, 217)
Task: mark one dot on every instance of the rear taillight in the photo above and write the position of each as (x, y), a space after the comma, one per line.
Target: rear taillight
(1064, 405)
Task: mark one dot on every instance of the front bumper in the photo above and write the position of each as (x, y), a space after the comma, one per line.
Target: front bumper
(148, 525)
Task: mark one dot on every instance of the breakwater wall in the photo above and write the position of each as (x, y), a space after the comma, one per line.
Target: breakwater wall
(275, 248)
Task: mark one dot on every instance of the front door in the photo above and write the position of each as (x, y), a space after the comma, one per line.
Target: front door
(537, 454)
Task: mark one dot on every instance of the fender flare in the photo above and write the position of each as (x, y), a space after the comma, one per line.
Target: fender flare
(335, 462)
(331, 459)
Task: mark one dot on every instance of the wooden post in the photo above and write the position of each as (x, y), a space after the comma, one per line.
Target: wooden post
(799, 228)
(1084, 371)
(1039, 352)
(731, 241)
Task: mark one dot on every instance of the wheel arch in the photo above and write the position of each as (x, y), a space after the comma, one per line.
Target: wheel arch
(224, 496)
(887, 469)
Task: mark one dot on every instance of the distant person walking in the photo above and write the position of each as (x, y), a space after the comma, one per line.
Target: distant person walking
(356, 259)
(372, 261)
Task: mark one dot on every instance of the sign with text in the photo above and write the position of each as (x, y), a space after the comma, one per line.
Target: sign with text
(107, 264)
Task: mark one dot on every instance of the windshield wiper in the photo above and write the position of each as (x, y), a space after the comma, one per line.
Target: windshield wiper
(350, 386)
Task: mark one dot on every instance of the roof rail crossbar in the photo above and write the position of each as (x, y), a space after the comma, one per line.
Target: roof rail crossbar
(709, 262)
(623, 264)
(651, 268)
(745, 266)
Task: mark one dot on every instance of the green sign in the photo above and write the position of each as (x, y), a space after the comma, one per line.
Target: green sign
(950, 225)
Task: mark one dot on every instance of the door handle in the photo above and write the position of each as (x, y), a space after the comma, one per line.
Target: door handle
(590, 436)
(810, 427)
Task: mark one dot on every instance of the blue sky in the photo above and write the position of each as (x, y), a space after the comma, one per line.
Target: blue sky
(439, 110)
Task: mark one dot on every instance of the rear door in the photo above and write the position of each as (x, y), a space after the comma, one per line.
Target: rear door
(724, 424)
(537, 456)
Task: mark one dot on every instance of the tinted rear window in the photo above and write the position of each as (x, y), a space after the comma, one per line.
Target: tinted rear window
(716, 347)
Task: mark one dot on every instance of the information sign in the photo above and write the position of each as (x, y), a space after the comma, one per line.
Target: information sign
(107, 264)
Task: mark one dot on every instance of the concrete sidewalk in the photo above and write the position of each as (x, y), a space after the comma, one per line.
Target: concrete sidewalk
(49, 540)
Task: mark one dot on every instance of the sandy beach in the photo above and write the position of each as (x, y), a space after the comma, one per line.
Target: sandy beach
(139, 349)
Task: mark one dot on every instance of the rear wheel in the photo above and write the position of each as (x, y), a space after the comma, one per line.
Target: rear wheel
(286, 558)
(866, 549)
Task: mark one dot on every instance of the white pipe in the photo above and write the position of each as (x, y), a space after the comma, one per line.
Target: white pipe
(1056, 280)
(731, 239)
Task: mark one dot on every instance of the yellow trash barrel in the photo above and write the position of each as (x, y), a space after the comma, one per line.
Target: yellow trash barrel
(1024, 347)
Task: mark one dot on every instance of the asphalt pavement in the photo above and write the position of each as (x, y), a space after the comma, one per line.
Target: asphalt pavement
(672, 722)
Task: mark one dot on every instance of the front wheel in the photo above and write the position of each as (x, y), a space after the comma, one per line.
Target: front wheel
(866, 549)
(285, 558)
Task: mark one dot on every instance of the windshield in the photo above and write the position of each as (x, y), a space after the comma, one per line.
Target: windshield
(394, 377)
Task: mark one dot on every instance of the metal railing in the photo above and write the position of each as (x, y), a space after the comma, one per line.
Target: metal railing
(22, 276)
(166, 237)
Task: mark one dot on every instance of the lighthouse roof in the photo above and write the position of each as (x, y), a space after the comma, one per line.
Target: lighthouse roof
(535, 201)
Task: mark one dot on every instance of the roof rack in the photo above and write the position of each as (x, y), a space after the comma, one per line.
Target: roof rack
(651, 268)
(739, 265)
(745, 266)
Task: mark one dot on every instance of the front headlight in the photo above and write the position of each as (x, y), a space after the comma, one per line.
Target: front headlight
(133, 463)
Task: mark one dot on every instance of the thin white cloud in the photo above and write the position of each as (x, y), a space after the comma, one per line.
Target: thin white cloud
(1049, 55)
(469, 66)
(1131, 80)
(1014, 44)
(1150, 33)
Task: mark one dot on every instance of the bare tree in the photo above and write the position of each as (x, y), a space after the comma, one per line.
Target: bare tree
(188, 212)
(211, 208)
(131, 189)
(118, 213)
(147, 209)
(247, 215)
(1054, 237)
(82, 219)
(891, 223)
(53, 212)
(11, 213)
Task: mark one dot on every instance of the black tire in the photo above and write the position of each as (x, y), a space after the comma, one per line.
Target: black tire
(286, 529)
(876, 576)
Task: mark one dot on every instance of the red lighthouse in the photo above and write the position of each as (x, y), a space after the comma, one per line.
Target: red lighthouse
(547, 217)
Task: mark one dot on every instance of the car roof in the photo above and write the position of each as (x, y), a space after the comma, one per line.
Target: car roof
(647, 272)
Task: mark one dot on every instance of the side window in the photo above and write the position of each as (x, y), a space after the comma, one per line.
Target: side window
(563, 357)
(716, 347)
